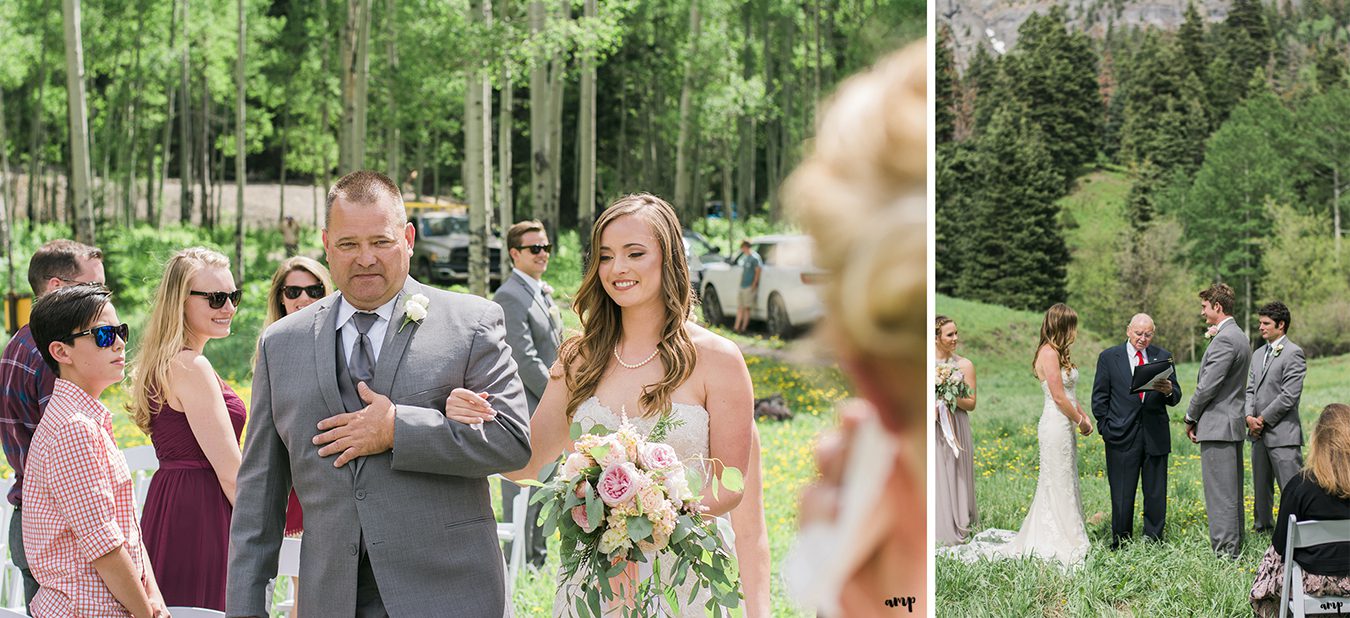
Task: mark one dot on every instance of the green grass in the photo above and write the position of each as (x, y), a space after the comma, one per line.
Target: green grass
(1180, 577)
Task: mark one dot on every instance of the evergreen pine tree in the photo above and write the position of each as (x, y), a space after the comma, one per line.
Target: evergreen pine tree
(945, 86)
(1053, 73)
(1018, 257)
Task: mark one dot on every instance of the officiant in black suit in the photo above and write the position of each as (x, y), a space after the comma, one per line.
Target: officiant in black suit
(1134, 427)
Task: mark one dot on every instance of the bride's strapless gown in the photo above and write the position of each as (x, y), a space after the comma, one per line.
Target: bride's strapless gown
(690, 441)
(1053, 529)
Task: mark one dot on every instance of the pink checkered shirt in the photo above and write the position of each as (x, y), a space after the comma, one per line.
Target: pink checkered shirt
(78, 505)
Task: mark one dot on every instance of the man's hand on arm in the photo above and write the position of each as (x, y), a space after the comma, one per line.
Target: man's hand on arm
(368, 431)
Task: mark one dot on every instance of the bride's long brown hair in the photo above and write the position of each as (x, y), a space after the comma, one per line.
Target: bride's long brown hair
(1058, 331)
(585, 357)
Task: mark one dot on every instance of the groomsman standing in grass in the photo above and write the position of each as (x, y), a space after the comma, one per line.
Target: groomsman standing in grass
(1215, 419)
(1274, 387)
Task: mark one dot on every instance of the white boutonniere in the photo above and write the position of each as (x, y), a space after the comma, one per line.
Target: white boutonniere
(1278, 349)
(1211, 331)
(414, 310)
(546, 288)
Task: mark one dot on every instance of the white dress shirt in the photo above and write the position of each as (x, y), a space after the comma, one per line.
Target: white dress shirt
(347, 327)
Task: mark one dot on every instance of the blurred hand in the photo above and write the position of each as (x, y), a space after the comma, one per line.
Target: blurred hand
(820, 499)
(1190, 432)
(367, 431)
(1163, 386)
(1084, 425)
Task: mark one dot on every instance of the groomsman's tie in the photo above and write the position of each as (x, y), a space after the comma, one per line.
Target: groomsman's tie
(362, 364)
(1139, 355)
(1266, 362)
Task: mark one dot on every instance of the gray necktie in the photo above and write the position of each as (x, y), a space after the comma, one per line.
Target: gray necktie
(1266, 363)
(362, 363)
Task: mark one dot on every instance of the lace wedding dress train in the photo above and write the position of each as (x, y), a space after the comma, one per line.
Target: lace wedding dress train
(1053, 529)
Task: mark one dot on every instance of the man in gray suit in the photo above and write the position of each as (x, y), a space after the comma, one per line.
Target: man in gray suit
(1214, 419)
(400, 522)
(534, 330)
(1274, 387)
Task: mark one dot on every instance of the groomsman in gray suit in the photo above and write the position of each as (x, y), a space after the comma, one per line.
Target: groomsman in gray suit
(1274, 388)
(349, 407)
(1215, 419)
(534, 331)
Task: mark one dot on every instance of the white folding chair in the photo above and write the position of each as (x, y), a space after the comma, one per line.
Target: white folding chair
(5, 612)
(1306, 534)
(195, 612)
(11, 580)
(513, 532)
(288, 566)
(142, 462)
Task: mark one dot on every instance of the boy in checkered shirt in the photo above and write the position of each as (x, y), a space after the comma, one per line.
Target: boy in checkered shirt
(80, 530)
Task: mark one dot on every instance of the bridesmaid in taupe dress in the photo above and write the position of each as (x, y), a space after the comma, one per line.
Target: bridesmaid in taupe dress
(955, 488)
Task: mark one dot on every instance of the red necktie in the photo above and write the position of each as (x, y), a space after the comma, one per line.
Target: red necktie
(1140, 355)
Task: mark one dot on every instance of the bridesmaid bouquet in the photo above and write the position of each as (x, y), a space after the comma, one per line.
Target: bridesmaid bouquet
(620, 497)
(950, 386)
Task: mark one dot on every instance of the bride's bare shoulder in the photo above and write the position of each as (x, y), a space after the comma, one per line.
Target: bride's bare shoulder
(713, 348)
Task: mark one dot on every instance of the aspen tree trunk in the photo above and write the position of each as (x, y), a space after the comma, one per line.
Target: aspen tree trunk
(682, 175)
(240, 156)
(586, 137)
(79, 124)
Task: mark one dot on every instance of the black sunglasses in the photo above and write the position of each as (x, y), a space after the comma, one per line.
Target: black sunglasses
(217, 299)
(292, 292)
(104, 336)
(536, 249)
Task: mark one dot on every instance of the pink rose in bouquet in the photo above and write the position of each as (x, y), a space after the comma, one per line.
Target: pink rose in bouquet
(657, 456)
(618, 484)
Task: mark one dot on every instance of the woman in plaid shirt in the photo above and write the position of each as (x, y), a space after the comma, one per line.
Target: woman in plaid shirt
(79, 527)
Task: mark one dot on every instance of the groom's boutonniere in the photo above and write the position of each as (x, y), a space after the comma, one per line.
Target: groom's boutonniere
(414, 310)
(1278, 349)
(1211, 331)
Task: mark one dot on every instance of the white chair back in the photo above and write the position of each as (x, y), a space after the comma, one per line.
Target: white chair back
(513, 532)
(288, 566)
(5, 612)
(142, 462)
(1293, 599)
(11, 580)
(194, 612)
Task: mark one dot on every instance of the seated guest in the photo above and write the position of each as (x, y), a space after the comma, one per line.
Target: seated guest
(1321, 491)
(84, 546)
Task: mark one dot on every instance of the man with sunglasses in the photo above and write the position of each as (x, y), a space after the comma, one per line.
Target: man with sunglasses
(81, 529)
(348, 408)
(534, 331)
(26, 382)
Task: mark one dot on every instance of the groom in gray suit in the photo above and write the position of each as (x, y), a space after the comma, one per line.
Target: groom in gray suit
(1215, 419)
(348, 399)
(1274, 387)
(534, 330)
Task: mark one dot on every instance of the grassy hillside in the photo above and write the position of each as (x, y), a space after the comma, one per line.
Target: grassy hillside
(1179, 577)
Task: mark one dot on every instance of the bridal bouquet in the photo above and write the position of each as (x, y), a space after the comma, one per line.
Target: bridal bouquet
(950, 386)
(621, 497)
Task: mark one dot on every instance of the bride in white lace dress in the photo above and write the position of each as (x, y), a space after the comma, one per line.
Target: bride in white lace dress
(1053, 529)
(638, 355)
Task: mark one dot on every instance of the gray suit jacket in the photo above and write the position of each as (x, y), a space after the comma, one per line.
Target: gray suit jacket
(1273, 394)
(530, 332)
(421, 510)
(1218, 402)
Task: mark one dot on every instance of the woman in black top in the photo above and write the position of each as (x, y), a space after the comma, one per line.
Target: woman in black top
(1320, 492)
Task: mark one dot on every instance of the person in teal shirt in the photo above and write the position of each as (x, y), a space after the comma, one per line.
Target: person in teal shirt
(751, 266)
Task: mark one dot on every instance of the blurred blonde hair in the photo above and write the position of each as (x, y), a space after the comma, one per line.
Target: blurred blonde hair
(1058, 330)
(861, 195)
(1329, 451)
(166, 331)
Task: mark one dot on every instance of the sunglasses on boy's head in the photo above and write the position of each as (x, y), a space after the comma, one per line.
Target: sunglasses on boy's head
(104, 336)
(217, 299)
(536, 249)
(293, 291)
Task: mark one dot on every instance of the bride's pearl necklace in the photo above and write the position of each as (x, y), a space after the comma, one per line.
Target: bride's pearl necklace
(632, 366)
